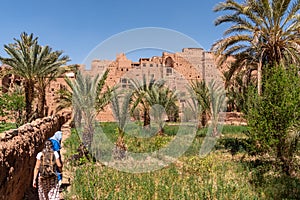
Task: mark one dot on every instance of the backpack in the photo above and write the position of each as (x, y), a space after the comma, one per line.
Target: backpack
(48, 165)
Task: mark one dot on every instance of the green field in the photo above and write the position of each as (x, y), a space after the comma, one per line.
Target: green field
(226, 173)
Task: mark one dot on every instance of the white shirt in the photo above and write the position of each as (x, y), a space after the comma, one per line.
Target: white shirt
(39, 155)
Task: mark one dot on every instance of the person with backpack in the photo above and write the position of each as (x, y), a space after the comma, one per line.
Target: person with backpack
(44, 173)
(56, 146)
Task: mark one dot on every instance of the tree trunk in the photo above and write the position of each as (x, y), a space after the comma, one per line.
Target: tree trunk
(161, 130)
(146, 118)
(204, 119)
(259, 78)
(29, 96)
(88, 133)
(120, 149)
(41, 104)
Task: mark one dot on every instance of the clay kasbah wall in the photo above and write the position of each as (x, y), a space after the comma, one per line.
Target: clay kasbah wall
(18, 152)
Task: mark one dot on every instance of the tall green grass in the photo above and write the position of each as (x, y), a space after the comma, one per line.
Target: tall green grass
(219, 175)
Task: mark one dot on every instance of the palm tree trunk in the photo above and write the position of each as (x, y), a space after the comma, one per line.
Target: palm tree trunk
(146, 118)
(161, 130)
(120, 149)
(204, 119)
(29, 96)
(259, 78)
(41, 104)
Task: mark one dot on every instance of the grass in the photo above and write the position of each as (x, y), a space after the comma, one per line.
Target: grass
(6, 126)
(220, 175)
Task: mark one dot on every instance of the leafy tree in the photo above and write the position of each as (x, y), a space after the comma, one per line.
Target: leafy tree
(261, 32)
(271, 115)
(12, 105)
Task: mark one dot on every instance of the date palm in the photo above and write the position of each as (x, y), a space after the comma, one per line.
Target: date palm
(37, 65)
(120, 106)
(200, 94)
(208, 100)
(261, 33)
(50, 68)
(23, 58)
(141, 89)
(87, 97)
(161, 99)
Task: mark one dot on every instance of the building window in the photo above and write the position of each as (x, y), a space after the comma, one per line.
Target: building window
(144, 65)
(168, 71)
(123, 80)
(151, 65)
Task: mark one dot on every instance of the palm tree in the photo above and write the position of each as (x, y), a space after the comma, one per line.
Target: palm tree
(23, 62)
(160, 99)
(122, 114)
(50, 69)
(236, 89)
(139, 96)
(37, 65)
(87, 97)
(262, 32)
(208, 100)
(200, 94)
(217, 104)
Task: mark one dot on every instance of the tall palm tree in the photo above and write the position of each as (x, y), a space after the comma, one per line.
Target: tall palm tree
(23, 61)
(37, 65)
(50, 69)
(261, 33)
(139, 96)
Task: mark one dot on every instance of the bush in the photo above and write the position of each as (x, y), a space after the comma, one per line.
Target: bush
(271, 114)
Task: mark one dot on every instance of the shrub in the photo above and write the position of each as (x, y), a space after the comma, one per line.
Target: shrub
(271, 114)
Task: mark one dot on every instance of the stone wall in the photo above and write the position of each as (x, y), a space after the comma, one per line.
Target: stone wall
(18, 150)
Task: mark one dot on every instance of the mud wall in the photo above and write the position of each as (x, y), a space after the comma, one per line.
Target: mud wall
(18, 150)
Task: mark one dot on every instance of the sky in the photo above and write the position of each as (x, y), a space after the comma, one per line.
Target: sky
(77, 27)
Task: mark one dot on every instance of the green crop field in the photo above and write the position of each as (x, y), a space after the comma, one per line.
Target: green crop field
(225, 173)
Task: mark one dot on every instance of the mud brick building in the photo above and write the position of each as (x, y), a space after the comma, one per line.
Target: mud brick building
(177, 69)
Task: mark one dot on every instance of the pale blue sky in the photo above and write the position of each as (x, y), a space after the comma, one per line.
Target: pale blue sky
(78, 26)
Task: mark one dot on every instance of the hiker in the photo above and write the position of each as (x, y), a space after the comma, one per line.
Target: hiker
(56, 146)
(44, 173)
